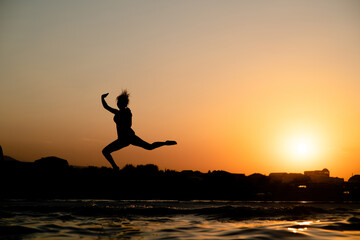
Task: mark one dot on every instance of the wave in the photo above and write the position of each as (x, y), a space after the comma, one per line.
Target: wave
(19, 230)
(107, 219)
(212, 210)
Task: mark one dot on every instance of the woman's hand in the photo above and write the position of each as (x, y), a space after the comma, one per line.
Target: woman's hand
(104, 95)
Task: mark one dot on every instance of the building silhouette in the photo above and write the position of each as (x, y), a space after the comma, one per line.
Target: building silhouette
(315, 176)
(323, 173)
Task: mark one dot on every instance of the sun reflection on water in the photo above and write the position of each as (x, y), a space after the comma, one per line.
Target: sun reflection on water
(297, 230)
(301, 227)
(304, 223)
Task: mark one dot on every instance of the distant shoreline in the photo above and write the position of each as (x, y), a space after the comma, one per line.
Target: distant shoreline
(53, 177)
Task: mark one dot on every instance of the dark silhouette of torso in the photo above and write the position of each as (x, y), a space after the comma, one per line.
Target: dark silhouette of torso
(123, 120)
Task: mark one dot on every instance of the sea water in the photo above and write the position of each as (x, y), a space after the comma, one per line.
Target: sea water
(110, 219)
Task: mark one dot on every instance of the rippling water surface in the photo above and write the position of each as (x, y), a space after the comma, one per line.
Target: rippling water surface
(107, 219)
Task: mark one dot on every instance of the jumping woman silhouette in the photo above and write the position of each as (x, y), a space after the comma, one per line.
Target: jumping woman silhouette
(126, 136)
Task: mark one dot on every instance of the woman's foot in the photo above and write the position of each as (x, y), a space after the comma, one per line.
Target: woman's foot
(170, 143)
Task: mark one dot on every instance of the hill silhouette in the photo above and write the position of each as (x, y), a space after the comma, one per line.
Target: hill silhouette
(10, 159)
(53, 177)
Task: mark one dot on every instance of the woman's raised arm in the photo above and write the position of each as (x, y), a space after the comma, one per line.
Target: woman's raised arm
(105, 105)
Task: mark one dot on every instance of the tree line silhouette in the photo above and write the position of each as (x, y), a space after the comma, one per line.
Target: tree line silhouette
(53, 177)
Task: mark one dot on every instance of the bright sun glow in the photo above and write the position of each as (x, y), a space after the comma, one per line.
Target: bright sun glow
(302, 147)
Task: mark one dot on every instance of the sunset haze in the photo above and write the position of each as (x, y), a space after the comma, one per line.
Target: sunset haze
(242, 86)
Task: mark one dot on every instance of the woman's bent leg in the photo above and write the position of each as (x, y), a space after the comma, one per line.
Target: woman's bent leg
(112, 147)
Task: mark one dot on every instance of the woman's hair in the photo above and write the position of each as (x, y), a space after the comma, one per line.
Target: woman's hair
(123, 97)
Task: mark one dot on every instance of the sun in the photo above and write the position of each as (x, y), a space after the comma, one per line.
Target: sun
(301, 147)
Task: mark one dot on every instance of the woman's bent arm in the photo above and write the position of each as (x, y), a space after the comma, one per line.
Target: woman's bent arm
(105, 105)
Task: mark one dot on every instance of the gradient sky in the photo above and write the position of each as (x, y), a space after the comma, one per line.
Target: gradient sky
(243, 86)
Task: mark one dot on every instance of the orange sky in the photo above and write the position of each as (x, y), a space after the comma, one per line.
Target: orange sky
(243, 86)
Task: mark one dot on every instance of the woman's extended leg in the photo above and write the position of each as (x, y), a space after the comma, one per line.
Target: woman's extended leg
(136, 141)
(112, 147)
